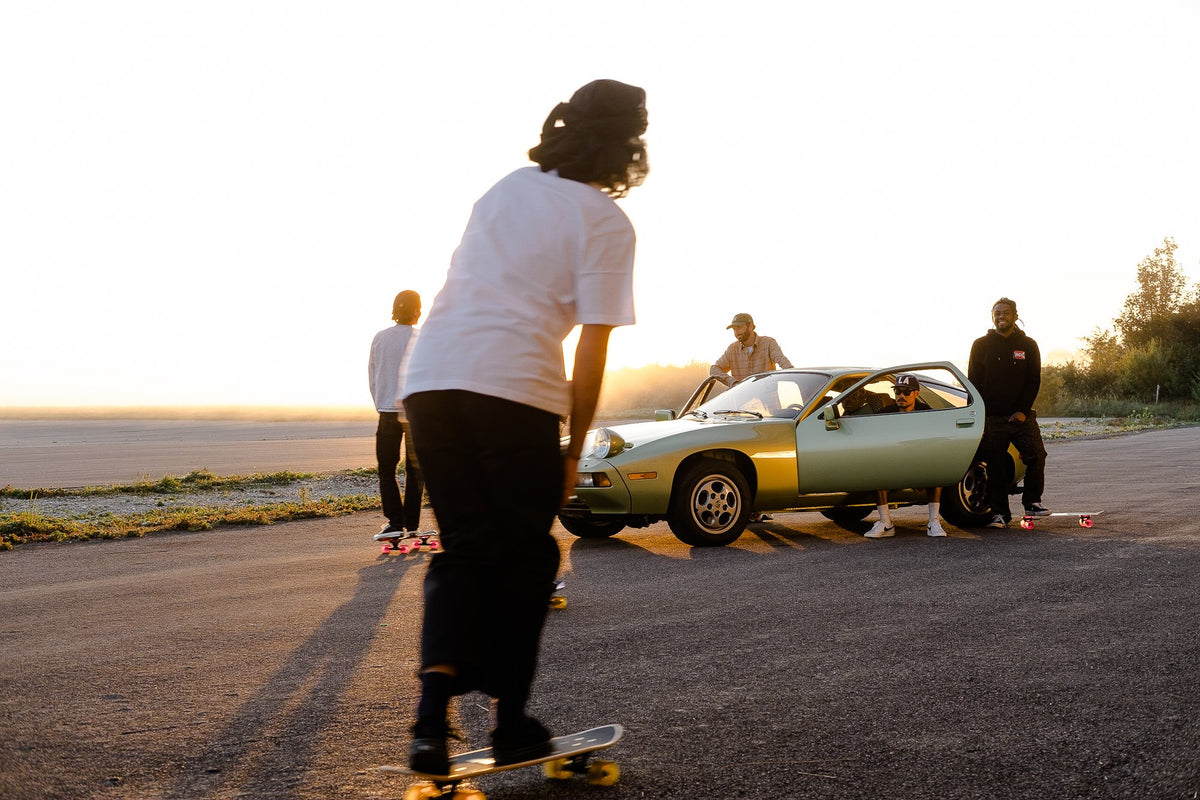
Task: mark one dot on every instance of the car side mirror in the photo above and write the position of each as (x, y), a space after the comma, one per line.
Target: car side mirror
(830, 415)
(664, 414)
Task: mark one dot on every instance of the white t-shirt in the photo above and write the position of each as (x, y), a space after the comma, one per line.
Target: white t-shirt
(386, 364)
(541, 254)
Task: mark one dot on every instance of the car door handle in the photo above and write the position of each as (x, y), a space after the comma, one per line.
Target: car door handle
(964, 423)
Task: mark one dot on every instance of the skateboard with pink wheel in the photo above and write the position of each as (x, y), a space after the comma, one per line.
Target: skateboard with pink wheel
(569, 756)
(397, 541)
(1085, 518)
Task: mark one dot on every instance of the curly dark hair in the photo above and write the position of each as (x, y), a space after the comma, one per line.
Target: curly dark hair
(596, 137)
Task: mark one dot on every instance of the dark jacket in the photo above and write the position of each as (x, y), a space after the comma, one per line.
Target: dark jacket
(1007, 371)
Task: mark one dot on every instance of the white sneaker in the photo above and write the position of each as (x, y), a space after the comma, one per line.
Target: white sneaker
(934, 529)
(881, 531)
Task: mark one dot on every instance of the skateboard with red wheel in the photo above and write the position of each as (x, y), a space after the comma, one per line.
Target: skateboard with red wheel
(397, 541)
(1085, 518)
(570, 755)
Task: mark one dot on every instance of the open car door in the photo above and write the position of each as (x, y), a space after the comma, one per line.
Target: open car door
(858, 441)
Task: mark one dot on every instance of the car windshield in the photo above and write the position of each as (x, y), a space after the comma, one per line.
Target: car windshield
(774, 394)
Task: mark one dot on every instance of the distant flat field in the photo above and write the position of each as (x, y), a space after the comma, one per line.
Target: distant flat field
(63, 453)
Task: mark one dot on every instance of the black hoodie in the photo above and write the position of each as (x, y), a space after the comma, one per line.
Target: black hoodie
(1007, 371)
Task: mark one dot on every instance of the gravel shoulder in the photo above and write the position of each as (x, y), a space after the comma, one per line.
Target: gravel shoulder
(316, 487)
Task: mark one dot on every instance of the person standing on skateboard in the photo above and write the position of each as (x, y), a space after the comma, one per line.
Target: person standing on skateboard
(1006, 368)
(383, 372)
(545, 249)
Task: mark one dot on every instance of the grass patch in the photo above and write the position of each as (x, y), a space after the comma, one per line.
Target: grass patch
(31, 526)
(197, 481)
(1166, 412)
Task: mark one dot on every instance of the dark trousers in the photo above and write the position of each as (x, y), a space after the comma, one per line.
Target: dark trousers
(1026, 436)
(389, 437)
(494, 472)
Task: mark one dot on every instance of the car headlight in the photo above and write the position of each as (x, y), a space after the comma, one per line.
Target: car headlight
(602, 443)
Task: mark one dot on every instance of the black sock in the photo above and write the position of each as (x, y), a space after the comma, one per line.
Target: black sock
(436, 690)
(509, 713)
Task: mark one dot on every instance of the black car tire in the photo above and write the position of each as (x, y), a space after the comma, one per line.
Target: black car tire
(591, 527)
(710, 504)
(966, 503)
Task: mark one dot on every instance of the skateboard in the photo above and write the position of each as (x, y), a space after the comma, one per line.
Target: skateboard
(557, 600)
(1085, 518)
(571, 755)
(395, 542)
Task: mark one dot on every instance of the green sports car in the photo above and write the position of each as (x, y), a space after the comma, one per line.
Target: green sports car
(815, 439)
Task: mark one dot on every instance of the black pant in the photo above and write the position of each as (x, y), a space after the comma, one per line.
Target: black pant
(1026, 436)
(389, 437)
(494, 471)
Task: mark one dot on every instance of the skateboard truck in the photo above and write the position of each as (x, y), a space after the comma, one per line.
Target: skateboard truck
(396, 542)
(557, 600)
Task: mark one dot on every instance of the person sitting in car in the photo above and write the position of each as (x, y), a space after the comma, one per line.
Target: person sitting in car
(864, 401)
(907, 391)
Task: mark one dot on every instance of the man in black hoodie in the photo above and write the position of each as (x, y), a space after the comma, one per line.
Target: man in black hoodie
(1006, 367)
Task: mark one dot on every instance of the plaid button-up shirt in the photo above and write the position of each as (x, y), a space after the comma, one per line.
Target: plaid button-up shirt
(742, 360)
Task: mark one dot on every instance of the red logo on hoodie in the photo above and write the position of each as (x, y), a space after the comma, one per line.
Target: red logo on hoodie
(1018, 355)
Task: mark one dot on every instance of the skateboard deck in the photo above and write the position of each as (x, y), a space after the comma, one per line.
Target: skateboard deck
(570, 755)
(1085, 518)
(396, 542)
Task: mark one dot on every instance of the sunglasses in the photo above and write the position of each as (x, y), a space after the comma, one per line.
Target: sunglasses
(898, 390)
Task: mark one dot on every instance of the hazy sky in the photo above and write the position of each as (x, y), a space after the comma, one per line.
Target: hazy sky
(215, 202)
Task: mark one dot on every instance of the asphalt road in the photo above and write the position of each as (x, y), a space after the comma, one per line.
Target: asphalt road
(803, 661)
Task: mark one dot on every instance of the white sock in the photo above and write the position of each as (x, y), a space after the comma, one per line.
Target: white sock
(933, 511)
(884, 516)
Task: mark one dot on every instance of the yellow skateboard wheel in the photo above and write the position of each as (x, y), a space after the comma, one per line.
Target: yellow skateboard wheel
(603, 773)
(422, 791)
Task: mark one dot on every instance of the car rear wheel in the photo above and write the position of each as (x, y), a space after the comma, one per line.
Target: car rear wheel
(966, 503)
(591, 527)
(709, 506)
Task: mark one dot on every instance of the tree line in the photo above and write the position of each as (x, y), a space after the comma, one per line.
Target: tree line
(1152, 351)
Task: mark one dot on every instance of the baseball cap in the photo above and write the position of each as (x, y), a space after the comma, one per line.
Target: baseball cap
(906, 381)
(741, 319)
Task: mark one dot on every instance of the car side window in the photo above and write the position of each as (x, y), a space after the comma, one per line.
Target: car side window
(940, 389)
(874, 397)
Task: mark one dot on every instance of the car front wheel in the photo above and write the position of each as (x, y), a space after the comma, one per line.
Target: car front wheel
(709, 506)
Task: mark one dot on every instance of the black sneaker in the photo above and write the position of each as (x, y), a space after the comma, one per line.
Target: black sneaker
(1036, 510)
(524, 741)
(428, 753)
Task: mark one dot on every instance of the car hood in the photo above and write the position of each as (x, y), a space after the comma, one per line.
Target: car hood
(641, 433)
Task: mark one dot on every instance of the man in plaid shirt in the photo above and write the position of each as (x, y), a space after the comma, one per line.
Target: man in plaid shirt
(749, 355)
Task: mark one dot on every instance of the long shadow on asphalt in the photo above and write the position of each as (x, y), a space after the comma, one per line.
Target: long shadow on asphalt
(277, 731)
